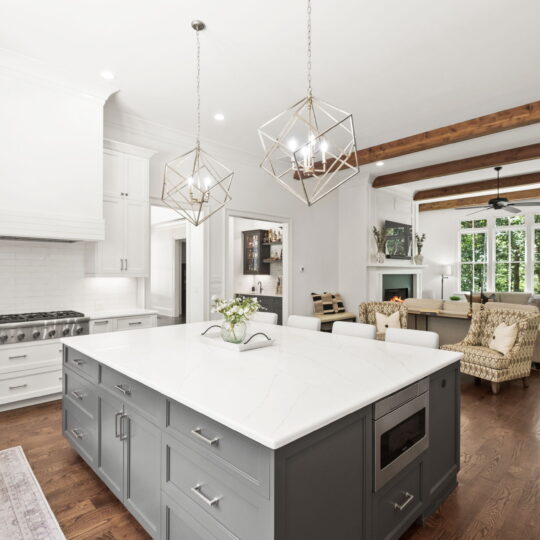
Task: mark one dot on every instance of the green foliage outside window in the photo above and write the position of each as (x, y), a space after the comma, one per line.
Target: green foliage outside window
(536, 276)
(473, 261)
(509, 221)
(476, 224)
(537, 218)
(510, 250)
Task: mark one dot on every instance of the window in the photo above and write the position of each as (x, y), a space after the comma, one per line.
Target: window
(510, 254)
(473, 256)
(536, 269)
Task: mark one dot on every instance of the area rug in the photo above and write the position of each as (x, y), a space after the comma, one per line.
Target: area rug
(25, 514)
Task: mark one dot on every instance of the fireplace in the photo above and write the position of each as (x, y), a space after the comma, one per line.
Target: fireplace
(396, 295)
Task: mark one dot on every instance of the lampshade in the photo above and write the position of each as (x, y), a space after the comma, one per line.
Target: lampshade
(447, 270)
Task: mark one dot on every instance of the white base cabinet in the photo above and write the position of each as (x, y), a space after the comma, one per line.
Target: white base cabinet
(126, 211)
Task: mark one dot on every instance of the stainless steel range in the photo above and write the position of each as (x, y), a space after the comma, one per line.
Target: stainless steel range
(21, 327)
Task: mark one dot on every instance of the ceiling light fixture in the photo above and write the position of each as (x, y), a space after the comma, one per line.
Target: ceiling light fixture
(195, 184)
(109, 75)
(219, 117)
(379, 163)
(310, 148)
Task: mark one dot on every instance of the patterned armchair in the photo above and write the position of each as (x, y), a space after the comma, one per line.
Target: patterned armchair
(367, 312)
(485, 363)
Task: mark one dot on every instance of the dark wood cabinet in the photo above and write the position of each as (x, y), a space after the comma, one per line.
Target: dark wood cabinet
(255, 252)
(271, 304)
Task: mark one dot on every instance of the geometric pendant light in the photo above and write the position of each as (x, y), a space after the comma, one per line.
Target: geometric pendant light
(195, 184)
(310, 148)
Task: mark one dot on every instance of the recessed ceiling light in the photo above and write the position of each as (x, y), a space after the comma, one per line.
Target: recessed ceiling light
(379, 163)
(219, 117)
(109, 75)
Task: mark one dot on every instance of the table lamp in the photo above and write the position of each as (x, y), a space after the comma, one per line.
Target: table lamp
(445, 273)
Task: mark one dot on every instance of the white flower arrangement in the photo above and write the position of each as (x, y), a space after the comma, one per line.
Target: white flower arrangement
(236, 310)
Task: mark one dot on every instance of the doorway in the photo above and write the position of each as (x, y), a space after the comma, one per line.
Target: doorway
(181, 280)
(258, 260)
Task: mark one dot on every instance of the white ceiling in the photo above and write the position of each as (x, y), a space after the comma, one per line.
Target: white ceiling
(401, 67)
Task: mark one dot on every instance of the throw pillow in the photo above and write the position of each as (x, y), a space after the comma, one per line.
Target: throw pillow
(322, 303)
(503, 338)
(317, 303)
(383, 322)
(338, 303)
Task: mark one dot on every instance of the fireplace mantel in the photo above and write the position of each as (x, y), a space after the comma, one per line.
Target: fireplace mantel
(375, 273)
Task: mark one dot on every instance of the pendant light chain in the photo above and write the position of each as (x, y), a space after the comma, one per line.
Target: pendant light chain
(198, 90)
(309, 47)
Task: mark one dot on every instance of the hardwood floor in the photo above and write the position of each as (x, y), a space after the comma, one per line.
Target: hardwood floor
(498, 496)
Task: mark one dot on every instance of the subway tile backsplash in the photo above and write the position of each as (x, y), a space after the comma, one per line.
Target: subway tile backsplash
(45, 276)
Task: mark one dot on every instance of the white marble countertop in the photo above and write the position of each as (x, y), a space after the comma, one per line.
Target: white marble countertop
(272, 395)
(119, 312)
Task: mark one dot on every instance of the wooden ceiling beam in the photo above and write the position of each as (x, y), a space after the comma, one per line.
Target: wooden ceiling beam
(481, 185)
(521, 116)
(479, 199)
(511, 155)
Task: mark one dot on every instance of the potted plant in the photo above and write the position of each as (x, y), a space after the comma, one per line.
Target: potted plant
(420, 239)
(455, 297)
(381, 236)
(235, 314)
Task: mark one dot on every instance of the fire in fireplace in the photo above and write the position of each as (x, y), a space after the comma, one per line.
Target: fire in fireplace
(396, 295)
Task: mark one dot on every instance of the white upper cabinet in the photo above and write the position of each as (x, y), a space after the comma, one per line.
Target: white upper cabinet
(126, 210)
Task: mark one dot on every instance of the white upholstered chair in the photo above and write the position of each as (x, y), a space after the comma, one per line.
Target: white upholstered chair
(419, 338)
(307, 323)
(367, 331)
(264, 317)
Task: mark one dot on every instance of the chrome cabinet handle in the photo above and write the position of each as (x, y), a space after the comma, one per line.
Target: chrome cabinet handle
(134, 323)
(116, 417)
(18, 386)
(408, 498)
(79, 362)
(17, 357)
(210, 502)
(126, 263)
(99, 323)
(124, 389)
(77, 395)
(76, 433)
(123, 434)
(121, 265)
(198, 433)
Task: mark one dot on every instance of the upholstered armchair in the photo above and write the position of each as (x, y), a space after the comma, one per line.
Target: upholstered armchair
(367, 312)
(485, 363)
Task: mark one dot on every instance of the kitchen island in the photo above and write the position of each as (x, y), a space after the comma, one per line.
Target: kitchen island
(317, 437)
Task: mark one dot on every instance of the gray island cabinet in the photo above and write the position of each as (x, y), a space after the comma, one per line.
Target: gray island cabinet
(186, 476)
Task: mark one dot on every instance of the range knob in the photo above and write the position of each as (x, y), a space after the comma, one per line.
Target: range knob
(3, 338)
(51, 333)
(65, 331)
(21, 336)
(36, 334)
(79, 330)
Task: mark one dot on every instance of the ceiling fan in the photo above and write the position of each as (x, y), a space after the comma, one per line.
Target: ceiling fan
(499, 203)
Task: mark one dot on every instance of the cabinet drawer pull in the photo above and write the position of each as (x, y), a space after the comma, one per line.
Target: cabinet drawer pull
(17, 357)
(124, 434)
(18, 386)
(122, 265)
(124, 389)
(60, 378)
(76, 433)
(210, 502)
(77, 395)
(79, 362)
(198, 433)
(135, 323)
(99, 323)
(59, 350)
(408, 498)
(126, 263)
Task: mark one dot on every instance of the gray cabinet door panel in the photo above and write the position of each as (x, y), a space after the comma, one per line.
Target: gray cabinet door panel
(81, 393)
(189, 475)
(110, 447)
(244, 458)
(80, 430)
(142, 479)
(442, 460)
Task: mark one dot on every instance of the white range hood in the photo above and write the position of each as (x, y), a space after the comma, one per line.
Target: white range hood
(51, 152)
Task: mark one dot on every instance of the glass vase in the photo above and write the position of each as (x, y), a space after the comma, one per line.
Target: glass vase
(233, 333)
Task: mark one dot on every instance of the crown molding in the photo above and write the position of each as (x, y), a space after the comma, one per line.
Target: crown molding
(126, 148)
(33, 71)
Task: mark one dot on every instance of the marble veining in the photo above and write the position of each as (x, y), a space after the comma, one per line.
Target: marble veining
(273, 395)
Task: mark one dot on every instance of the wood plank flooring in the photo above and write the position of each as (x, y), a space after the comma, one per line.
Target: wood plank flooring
(498, 496)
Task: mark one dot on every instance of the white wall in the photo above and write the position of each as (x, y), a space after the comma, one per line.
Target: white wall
(45, 276)
(244, 283)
